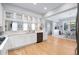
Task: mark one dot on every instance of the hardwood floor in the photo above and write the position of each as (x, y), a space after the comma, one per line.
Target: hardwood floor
(53, 46)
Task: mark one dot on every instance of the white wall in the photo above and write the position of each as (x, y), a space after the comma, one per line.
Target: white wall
(0, 14)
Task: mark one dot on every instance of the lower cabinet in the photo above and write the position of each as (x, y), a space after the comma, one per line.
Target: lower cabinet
(16, 41)
(39, 37)
(45, 36)
(21, 40)
(3, 52)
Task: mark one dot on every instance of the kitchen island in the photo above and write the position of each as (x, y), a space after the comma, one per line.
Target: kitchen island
(20, 39)
(3, 46)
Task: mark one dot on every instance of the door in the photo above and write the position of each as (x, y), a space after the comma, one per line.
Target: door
(77, 29)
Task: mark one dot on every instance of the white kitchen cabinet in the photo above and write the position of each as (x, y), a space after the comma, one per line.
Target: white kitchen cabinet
(6, 46)
(18, 40)
(3, 52)
(21, 40)
(10, 43)
(45, 36)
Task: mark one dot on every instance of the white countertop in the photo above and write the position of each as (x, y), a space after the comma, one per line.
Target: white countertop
(38, 31)
(3, 43)
(11, 34)
(19, 33)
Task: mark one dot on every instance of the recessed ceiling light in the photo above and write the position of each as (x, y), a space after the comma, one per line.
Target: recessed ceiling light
(34, 3)
(45, 8)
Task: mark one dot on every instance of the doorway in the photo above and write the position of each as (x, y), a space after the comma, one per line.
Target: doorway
(77, 30)
(48, 27)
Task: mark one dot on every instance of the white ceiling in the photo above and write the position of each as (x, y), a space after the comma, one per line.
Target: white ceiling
(39, 7)
(63, 16)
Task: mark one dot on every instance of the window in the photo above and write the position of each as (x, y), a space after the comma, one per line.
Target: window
(14, 26)
(20, 25)
(33, 26)
(25, 26)
(21, 22)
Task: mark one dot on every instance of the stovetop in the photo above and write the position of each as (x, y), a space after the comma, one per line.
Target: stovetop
(1, 40)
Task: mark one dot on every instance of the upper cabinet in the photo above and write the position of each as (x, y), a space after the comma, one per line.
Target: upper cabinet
(9, 15)
(21, 22)
(25, 18)
(18, 16)
(25, 26)
(0, 14)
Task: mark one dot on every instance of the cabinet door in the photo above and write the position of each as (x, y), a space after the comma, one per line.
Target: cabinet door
(28, 39)
(21, 40)
(3, 52)
(11, 43)
(32, 38)
(45, 36)
(39, 37)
